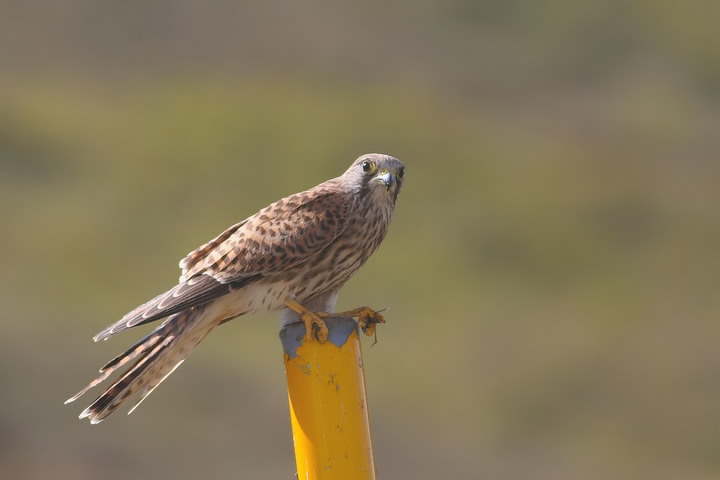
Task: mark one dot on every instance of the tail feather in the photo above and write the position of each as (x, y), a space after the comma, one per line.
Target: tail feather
(126, 385)
(155, 357)
(196, 291)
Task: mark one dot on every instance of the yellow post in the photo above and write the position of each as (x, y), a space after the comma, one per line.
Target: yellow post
(328, 405)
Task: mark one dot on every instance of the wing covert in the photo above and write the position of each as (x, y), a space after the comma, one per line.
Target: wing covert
(284, 234)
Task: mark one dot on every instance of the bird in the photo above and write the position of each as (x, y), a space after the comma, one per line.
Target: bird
(293, 255)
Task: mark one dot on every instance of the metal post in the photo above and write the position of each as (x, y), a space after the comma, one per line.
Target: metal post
(328, 404)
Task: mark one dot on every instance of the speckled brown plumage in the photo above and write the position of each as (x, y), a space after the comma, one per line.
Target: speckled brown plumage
(305, 246)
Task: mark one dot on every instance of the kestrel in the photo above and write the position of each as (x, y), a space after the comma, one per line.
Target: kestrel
(295, 254)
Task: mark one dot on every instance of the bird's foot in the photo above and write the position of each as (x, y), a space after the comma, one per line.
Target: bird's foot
(367, 318)
(310, 319)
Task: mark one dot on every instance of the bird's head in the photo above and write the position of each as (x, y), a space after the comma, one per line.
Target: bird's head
(377, 175)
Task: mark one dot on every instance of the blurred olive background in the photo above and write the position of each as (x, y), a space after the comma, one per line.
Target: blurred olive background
(552, 269)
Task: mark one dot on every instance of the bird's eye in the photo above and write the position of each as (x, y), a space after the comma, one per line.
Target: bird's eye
(368, 167)
(401, 172)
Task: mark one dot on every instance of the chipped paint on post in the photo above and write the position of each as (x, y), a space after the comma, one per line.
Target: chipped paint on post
(328, 403)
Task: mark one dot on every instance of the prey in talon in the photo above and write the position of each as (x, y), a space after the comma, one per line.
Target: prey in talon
(369, 320)
(295, 254)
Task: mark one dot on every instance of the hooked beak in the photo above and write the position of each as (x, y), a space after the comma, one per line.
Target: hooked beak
(386, 177)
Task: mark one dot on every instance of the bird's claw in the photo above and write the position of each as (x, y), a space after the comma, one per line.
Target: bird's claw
(313, 323)
(311, 320)
(367, 319)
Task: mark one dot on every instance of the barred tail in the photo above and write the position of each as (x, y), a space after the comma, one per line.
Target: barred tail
(155, 357)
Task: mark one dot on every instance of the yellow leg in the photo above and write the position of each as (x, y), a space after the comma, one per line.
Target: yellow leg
(309, 318)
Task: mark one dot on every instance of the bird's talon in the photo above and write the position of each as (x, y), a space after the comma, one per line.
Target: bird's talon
(313, 321)
(315, 327)
(368, 319)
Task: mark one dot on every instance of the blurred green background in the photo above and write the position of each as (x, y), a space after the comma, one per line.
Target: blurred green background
(552, 268)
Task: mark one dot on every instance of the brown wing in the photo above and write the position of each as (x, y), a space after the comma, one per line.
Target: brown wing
(281, 236)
